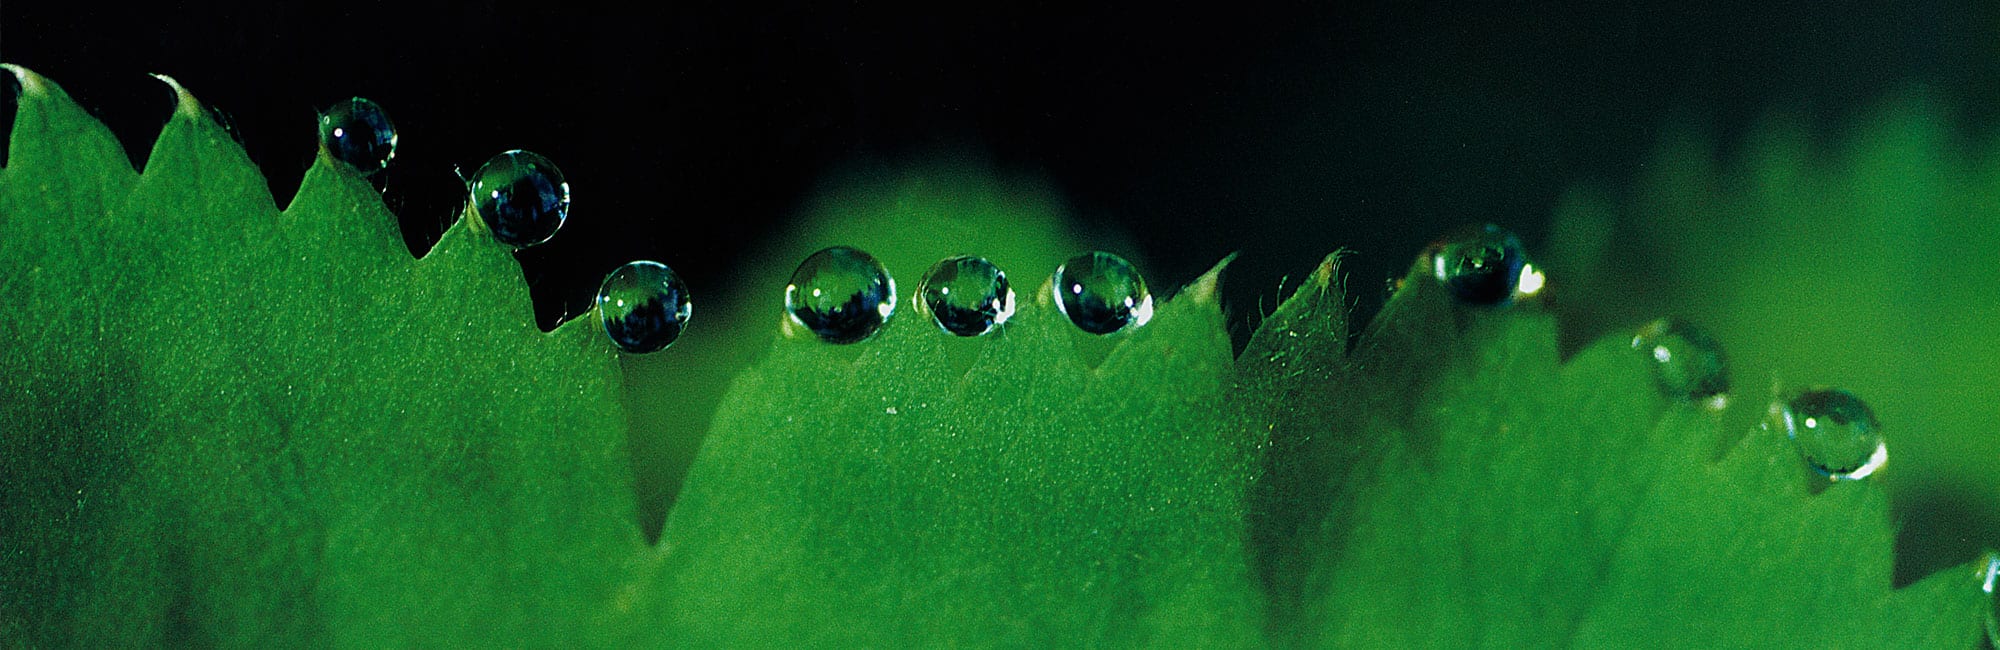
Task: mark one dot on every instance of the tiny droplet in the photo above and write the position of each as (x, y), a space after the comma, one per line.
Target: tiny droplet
(644, 306)
(841, 294)
(521, 197)
(966, 296)
(358, 132)
(1486, 266)
(1836, 433)
(1687, 361)
(1101, 293)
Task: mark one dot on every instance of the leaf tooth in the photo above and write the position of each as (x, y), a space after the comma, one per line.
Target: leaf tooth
(185, 105)
(1185, 332)
(195, 153)
(1203, 289)
(61, 156)
(338, 216)
(1308, 329)
(468, 264)
(1295, 391)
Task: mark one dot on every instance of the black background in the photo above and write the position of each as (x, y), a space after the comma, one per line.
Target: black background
(689, 131)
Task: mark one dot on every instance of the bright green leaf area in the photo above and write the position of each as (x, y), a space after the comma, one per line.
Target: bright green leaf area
(229, 424)
(908, 217)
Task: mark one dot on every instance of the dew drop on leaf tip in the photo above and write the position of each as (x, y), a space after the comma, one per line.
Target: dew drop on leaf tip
(643, 306)
(1990, 574)
(1485, 266)
(358, 132)
(1688, 363)
(521, 197)
(1101, 293)
(840, 294)
(1836, 433)
(966, 295)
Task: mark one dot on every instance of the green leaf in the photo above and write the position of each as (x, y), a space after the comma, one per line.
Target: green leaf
(1861, 259)
(236, 425)
(232, 425)
(908, 216)
(1490, 495)
(881, 495)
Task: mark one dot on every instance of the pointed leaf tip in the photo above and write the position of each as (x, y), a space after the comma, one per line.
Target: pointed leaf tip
(1327, 273)
(31, 82)
(185, 105)
(1204, 288)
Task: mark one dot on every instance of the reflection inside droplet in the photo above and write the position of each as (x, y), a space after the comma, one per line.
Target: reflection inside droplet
(358, 132)
(1688, 363)
(1836, 433)
(840, 294)
(983, 299)
(1486, 266)
(1101, 293)
(523, 199)
(643, 306)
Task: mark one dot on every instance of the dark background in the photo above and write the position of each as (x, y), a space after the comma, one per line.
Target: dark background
(689, 132)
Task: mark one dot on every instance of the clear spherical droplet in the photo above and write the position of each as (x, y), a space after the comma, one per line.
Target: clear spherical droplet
(644, 306)
(841, 294)
(1689, 363)
(358, 132)
(1835, 432)
(1487, 266)
(1101, 293)
(967, 296)
(521, 197)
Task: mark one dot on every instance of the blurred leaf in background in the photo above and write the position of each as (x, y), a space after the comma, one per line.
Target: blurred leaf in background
(1863, 258)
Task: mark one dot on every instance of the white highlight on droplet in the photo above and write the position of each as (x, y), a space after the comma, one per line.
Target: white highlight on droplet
(1532, 280)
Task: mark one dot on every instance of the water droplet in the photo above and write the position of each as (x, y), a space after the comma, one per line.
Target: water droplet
(1836, 433)
(841, 294)
(644, 306)
(358, 132)
(1989, 583)
(1990, 574)
(1487, 266)
(521, 196)
(1102, 293)
(966, 295)
(1689, 363)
